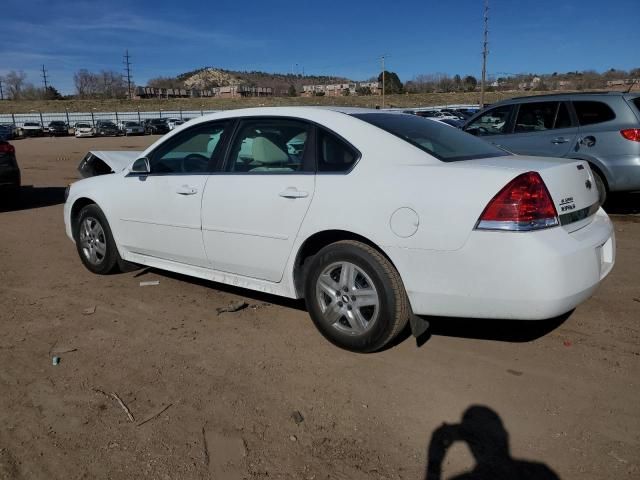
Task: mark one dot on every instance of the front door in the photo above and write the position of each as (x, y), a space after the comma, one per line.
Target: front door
(253, 209)
(162, 213)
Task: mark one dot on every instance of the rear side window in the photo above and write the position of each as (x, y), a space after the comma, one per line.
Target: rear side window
(636, 101)
(593, 112)
(444, 142)
(533, 117)
(334, 154)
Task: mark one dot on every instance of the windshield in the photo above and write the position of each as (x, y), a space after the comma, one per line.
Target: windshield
(442, 141)
(83, 125)
(131, 124)
(31, 124)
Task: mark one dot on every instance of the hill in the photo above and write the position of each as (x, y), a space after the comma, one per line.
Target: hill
(208, 77)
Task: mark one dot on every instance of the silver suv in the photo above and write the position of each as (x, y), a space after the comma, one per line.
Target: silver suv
(602, 128)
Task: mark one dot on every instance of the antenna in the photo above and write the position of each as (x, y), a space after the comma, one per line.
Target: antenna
(44, 78)
(127, 69)
(485, 51)
(382, 59)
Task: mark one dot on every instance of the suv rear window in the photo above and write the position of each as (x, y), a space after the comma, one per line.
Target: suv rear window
(593, 112)
(444, 142)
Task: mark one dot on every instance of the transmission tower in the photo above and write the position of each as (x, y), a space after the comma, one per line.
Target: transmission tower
(127, 69)
(485, 52)
(44, 78)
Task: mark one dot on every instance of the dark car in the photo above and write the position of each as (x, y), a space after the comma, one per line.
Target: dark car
(5, 133)
(58, 128)
(9, 171)
(156, 126)
(105, 128)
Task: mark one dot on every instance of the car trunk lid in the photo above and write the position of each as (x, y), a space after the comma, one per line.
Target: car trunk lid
(570, 184)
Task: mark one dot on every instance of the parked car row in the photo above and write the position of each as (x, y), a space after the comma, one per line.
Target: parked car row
(154, 126)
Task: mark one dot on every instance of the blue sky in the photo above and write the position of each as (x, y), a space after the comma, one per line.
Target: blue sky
(167, 37)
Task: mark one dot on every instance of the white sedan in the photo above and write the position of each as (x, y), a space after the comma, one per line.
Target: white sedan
(374, 218)
(84, 130)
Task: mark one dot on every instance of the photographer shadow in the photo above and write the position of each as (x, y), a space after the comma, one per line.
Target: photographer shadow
(482, 430)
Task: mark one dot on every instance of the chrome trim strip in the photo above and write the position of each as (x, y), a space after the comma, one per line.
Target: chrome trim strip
(577, 215)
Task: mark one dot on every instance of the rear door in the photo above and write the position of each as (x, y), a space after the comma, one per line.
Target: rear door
(252, 209)
(543, 129)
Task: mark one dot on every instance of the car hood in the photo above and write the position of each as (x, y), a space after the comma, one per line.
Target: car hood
(103, 162)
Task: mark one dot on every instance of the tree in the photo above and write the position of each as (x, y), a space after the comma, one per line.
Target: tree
(106, 84)
(52, 93)
(346, 92)
(470, 83)
(457, 81)
(165, 82)
(392, 83)
(292, 91)
(15, 83)
(363, 91)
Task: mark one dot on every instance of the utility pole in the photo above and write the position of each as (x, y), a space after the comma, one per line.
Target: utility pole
(485, 52)
(44, 78)
(382, 59)
(1, 91)
(127, 69)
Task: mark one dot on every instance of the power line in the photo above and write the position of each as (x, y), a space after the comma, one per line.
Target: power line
(44, 78)
(485, 52)
(127, 69)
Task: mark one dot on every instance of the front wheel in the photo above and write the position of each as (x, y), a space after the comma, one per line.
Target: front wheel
(355, 296)
(94, 241)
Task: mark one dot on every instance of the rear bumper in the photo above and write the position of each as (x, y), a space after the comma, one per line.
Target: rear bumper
(509, 275)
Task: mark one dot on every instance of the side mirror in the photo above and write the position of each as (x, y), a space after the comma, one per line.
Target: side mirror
(141, 166)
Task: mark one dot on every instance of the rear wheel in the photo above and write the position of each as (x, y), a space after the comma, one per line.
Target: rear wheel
(355, 296)
(94, 241)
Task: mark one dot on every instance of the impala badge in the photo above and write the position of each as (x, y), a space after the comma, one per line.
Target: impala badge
(588, 184)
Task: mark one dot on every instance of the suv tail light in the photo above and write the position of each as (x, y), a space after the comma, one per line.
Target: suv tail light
(7, 148)
(632, 134)
(524, 204)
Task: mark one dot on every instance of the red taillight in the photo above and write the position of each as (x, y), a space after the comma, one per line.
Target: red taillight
(632, 134)
(524, 204)
(7, 148)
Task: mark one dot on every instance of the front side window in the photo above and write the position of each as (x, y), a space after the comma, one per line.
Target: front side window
(592, 112)
(442, 141)
(492, 122)
(269, 146)
(195, 150)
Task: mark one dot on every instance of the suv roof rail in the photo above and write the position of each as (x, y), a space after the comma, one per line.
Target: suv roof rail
(592, 92)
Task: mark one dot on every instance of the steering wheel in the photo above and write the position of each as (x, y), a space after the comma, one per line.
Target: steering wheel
(195, 162)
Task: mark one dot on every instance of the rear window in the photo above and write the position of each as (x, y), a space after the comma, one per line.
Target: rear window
(593, 112)
(444, 142)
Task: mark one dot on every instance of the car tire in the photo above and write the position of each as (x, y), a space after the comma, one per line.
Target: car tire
(601, 186)
(94, 241)
(355, 296)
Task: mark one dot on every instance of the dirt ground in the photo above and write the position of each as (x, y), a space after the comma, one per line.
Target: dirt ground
(260, 394)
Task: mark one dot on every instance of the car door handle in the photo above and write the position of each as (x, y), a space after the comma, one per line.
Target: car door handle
(294, 193)
(186, 190)
(559, 140)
